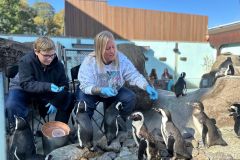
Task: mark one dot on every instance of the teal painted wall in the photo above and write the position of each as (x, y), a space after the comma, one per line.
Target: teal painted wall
(197, 54)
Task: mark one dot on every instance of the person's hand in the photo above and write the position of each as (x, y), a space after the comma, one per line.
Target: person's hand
(52, 109)
(153, 94)
(55, 88)
(108, 91)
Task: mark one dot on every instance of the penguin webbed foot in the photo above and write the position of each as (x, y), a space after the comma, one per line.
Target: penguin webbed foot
(109, 143)
(164, 154)
(92, 149)
(201, 144)
(80, 147)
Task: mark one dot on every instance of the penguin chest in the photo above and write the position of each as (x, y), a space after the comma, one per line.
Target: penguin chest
(163, 131)
(198, 125)
(136, 134)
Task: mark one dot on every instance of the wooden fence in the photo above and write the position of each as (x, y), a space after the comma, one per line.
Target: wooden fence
(86, 18)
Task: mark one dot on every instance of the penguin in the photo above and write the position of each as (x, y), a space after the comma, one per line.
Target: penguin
(208, 131)
(226, 68)
(148, 147)
(111, 118)
(84, 125)
(229, 70)
(235, 112)
(225, 63)
(180, 86)
(172, 136)
(22, 145)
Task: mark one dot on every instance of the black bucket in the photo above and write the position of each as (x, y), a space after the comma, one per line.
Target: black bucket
(55, 135)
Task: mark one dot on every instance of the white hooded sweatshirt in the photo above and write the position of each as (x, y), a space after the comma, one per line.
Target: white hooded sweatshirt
(90, 75)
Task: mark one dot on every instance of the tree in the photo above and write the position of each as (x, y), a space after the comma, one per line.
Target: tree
(16, 17)
(26, 19)
(59, 21)
(45, 18)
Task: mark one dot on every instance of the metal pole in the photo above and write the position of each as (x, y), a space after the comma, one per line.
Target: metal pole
(2, 120)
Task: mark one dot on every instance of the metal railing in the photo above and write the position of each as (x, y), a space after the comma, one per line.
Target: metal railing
(74, 57)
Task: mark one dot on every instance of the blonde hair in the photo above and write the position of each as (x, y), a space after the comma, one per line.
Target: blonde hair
(44, 44)
(100, 43)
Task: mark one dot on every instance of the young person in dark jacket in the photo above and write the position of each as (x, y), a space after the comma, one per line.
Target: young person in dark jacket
(40, 76)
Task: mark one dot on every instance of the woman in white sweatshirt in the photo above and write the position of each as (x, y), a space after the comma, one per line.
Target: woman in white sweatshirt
(103, 74)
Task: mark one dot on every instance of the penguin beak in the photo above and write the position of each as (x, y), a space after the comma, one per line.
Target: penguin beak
(130, 117)
(157, 110)
(232, 111)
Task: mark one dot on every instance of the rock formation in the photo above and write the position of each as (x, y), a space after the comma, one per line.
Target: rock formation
(136, 55)
(12, 51)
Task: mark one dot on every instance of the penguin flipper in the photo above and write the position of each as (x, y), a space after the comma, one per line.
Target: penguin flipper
(204, 134)
(170, 144)
(142, 149)
(122, 124)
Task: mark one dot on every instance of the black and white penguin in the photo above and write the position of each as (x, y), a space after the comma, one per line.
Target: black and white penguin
(210, 135)
(22, 145)
(84, 125)
(148, 147)
(229, 70)
(180, 87)
(235, 112)
(111, 118)
(226, 68)
(172, 136)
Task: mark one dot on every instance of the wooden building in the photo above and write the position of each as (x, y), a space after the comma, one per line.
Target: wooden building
(86, 18)
(225, 35)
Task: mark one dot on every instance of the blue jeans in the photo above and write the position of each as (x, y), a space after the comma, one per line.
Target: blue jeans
(18, 101)
(16, 104)
(126, 96)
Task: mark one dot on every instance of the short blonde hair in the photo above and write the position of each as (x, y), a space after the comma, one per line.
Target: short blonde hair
(100, 43)
(44, 44)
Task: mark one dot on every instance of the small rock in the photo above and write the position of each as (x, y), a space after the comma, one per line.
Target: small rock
(220, 156)
(129, 143)
(195, 152)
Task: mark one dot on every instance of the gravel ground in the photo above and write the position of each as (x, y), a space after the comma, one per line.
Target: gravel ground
(233, 147)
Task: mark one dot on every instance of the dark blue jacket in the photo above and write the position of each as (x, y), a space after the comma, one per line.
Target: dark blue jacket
(33, 77)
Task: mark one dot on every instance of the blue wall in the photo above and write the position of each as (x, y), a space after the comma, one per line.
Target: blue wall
(196, 54)
(193, 66)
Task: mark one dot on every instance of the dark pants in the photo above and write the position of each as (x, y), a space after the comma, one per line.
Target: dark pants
(18, 102)
(126, 96)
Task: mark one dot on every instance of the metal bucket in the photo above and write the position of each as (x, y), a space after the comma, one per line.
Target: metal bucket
(55, 135)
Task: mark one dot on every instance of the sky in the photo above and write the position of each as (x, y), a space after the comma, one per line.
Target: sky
(219, 12)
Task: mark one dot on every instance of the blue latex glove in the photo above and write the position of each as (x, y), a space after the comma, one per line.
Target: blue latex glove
(55, 88)
(52, 109)
(108, 91)
(153, 94)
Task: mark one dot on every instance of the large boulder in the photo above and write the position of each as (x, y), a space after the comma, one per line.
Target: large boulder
(216, 101)
(12, 51)
(219, 66)
(136, 55)
(224, 93)
(223, 59)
